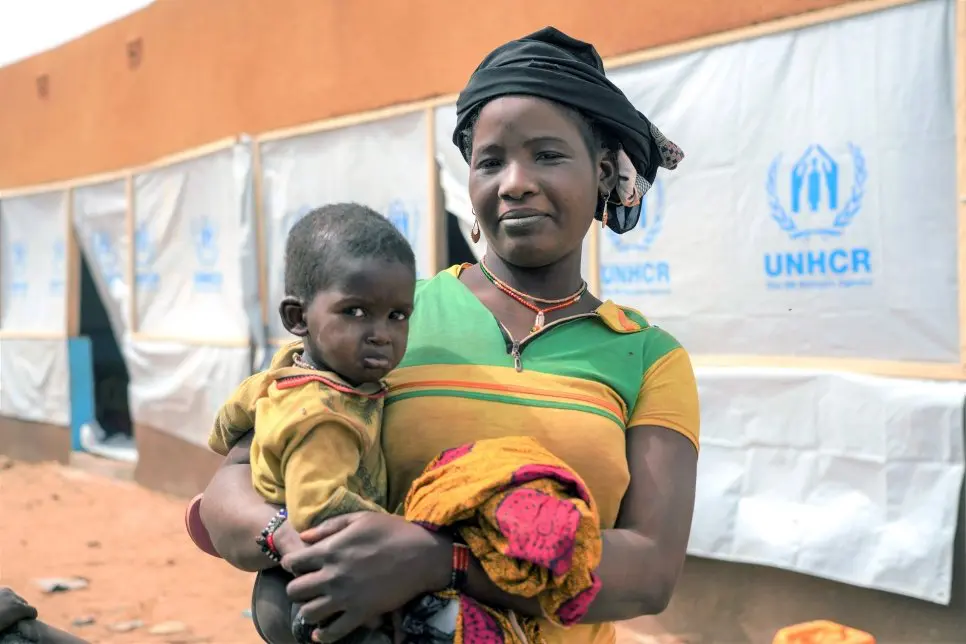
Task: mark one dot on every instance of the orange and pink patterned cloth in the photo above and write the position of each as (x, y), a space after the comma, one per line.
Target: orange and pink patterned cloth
(530, 522)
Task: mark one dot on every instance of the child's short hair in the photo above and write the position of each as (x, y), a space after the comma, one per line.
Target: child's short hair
(326, 237)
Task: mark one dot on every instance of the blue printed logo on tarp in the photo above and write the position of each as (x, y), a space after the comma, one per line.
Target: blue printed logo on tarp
(58, 268)
(204, 232)
(403, 219)
(145, 252)
(812, 205)
(18, 268)
(105, 256)
(406, 221)
(627, 267)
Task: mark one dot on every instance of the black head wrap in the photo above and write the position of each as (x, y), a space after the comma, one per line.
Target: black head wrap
(550, 64)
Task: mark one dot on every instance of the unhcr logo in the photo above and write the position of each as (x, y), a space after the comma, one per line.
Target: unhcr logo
(18, 268)
(814, 202)
(628, 269)
(106, 257)
(403, 219)
(204, 232)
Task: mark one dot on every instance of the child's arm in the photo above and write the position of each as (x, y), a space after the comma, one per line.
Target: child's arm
(237, 416)
(307, 453)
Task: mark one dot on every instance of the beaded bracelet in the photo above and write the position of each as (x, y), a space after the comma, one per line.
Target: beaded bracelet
(461, 567)
(266, 540)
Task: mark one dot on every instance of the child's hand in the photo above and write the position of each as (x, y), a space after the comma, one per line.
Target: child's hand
(288, 541)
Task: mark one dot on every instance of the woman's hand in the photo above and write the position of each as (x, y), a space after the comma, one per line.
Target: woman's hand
(364, 565)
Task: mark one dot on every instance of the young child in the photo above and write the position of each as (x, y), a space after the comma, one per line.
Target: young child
(350, 278)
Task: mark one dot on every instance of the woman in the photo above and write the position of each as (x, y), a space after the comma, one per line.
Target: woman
(515, 346)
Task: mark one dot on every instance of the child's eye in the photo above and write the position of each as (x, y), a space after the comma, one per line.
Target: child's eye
(399, 316)
(355, 312)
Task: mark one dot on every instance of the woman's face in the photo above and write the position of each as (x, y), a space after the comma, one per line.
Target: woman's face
(533, 181)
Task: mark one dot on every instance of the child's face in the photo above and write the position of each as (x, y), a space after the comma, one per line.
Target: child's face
(358, 328)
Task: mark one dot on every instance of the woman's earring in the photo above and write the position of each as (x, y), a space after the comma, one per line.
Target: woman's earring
(475, 231)
(603, 214)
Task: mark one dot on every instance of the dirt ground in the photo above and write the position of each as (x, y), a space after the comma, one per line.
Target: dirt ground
(130, 544)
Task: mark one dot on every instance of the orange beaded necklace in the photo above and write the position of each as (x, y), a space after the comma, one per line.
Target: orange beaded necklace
(530, 301)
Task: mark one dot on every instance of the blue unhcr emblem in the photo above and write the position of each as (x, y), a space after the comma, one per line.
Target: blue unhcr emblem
(145, 252)
(18, 268)
(204, 233)
(820, 210)
(399, 216)
(629, 270)
(206, 241)
(106, 257)
(144, 248)
(648, 227)
(814, 194)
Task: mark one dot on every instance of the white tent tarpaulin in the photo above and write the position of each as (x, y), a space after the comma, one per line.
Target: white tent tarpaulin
(196, 281)
(100, 226)
(33, 278)
(848, 477)
(814, 215)
(35, 381)
(177, 388)
(195, 248)
(378, 164)
(33, 295)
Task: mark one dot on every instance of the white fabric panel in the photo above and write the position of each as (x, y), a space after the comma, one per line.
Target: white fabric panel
(35, 381)
(177, 388)
(33, 254)
(194, 241)
(101, 230)
(454, 178)
(382, 165)
(815, 213)
(852, 478)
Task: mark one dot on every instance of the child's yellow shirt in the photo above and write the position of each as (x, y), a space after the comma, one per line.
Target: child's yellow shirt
(317, 445)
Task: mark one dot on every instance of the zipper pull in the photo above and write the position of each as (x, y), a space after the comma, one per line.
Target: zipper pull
(517, 359)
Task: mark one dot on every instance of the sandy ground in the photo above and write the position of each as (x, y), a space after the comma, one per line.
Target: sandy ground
(130, 544)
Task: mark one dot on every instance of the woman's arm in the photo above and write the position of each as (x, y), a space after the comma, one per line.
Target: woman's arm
(643, 556)
(234, 514)
(364, 564)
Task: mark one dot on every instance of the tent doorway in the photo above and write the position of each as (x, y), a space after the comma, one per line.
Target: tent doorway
(110, 432)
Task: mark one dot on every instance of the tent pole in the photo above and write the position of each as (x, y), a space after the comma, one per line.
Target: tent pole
(72, 266)
(262, 254)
